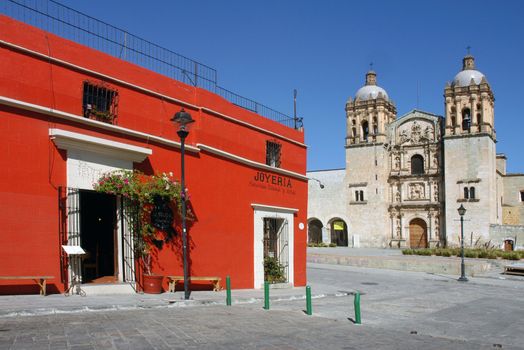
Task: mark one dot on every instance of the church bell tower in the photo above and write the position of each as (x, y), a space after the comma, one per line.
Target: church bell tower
(470, 154)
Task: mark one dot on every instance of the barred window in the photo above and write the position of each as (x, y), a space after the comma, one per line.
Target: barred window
(99, 102)
(273, 153)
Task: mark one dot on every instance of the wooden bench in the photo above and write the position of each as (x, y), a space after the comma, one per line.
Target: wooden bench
(41, 280)
(174, 279)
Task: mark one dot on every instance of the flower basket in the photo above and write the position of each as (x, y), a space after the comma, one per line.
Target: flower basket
(154, 196)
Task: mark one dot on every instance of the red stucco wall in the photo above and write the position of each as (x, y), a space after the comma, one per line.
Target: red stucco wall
(33, 168)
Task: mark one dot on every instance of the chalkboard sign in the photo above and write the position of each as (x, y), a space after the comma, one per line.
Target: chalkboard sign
(162, 215)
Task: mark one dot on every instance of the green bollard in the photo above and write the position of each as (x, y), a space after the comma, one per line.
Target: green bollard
(309, 310)
(357, 308)
(266, 295)
(228, 291)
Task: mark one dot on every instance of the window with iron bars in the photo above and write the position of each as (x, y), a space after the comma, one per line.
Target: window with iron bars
(99, 102)
(273, 153)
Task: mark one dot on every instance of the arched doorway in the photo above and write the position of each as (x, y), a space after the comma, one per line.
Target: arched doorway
(339, 233)
(418, 234)
(314, 231)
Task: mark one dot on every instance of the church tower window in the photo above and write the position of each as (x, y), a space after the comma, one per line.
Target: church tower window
(472, 193)
(365, 130)
(417, 164)
(466, 193)
(466, 119)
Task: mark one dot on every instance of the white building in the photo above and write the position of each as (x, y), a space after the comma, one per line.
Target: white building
(405, 177)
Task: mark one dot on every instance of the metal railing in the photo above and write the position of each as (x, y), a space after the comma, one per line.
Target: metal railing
(70, 24)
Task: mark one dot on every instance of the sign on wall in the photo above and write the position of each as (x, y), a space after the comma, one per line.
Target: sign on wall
(272, 182)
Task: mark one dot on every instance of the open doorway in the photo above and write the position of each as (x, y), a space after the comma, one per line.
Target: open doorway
(98, 237)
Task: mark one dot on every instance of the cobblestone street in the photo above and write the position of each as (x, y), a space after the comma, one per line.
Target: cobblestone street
(213, 327)
(400, 310)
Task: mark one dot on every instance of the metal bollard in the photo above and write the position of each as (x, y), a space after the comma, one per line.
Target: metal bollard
(228, 291)
(357, 308)
(309, 310)
(266, 295)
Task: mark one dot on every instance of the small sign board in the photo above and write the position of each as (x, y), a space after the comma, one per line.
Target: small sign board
(73, 250)
(162, 216)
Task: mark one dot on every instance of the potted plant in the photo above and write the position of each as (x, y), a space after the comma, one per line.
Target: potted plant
(153, 195)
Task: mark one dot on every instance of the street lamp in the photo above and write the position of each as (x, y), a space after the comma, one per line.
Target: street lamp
(317, 180)
(462, 212)
(183, 119)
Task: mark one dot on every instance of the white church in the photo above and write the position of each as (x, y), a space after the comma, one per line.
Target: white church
(406, 176)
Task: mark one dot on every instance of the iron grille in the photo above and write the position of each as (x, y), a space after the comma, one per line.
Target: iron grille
(276, 248)
(273, 153)
(70, 24)
(99, 102)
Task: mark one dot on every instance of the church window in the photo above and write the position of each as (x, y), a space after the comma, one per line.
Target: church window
(479, 119)
(466, 193)
(365, 130)
(353, 122)
(522, 196)
(359, 196)
(354, 132)
(472, 193)
(417, 164)
(466, 119)
(273, 153)
(375, 130)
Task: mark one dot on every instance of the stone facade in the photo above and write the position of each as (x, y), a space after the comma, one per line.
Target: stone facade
(406, 177)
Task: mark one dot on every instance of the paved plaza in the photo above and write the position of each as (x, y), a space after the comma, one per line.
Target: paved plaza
(400, 310)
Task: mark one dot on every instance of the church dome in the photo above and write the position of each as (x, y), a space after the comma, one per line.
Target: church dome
(463, 78)
(371, 90)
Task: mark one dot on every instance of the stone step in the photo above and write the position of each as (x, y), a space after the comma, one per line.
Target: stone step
(110, 288)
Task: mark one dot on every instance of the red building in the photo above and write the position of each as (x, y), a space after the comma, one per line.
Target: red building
(245, 172)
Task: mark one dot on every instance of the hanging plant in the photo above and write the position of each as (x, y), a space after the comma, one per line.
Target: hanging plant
(153, 195)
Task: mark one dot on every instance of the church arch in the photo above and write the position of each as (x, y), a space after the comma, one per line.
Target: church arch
(417, 165)
(314, 231)
(339, 232)
(418, 234)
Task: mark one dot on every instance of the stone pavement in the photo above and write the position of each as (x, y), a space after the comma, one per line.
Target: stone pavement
(213, 327)
(400, 310)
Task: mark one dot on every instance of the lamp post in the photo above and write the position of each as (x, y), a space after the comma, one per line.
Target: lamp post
(183, 119)
(462, 212)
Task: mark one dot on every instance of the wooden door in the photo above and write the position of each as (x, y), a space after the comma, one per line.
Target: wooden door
(418, 236)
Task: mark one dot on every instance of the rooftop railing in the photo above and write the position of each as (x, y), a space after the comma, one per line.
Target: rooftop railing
(71, 24)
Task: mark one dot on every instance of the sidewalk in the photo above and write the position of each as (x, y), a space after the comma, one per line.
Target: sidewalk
(26, 305)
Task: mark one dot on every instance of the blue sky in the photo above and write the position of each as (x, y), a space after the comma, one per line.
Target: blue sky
(265, 49)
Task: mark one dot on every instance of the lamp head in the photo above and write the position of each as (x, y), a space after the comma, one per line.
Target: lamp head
(183, 119)
(461, 210)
